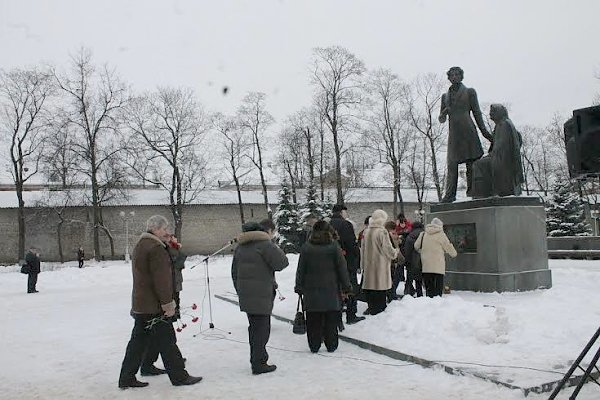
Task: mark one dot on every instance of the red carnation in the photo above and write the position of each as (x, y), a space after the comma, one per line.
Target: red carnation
(195, 319)
(194, 306)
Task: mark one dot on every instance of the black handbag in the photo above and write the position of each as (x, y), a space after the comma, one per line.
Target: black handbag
(25, 268)
(299, 327)
(415, 263)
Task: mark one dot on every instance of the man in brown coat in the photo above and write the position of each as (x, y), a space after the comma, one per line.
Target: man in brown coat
(152, 307)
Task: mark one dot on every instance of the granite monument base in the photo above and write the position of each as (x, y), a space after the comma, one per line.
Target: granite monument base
(501, 244)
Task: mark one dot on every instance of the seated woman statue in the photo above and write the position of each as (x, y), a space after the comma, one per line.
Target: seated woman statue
(500, 173)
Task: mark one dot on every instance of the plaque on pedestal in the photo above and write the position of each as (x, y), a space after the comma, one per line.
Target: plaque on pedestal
(501, 244)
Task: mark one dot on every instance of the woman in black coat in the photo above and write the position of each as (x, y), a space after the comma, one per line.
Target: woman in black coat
(322, 277)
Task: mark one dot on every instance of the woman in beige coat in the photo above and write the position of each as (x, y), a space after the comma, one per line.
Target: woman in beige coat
(377, 254)
(432, 244)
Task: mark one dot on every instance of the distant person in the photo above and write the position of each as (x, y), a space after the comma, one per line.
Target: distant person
(309, 222)
(433, 244)
(80, 256)
(351, 252)
(322, 278)
(397, 264)
(255, 261)
(414, 276)
(403, 228)
(32, 260)
(152, 306)
(377, 253)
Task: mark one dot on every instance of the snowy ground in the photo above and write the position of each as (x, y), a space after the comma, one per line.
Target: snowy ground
(67, 342)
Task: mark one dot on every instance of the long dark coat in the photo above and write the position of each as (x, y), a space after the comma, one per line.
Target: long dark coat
(322, 274)
(463, 139)
(408, 250)
(33, 261)
(255, 261)
(347, 240)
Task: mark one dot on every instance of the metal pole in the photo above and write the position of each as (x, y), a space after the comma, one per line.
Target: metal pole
(127, 259)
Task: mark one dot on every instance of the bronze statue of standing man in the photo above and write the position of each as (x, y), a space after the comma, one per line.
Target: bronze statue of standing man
(463, 141)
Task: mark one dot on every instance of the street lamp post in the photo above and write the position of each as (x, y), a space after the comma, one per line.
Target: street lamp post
(126, 217)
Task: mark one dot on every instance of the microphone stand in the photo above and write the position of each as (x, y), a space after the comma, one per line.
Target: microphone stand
(211, 325)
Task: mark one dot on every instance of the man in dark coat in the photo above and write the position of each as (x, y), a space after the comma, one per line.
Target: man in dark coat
(414, 277)
(464, 145)
(351, 251)
(32, 259)
(152, 308)
(255, 261)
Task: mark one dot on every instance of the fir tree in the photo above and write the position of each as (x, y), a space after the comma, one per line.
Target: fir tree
(286, 221)
(312, 205)
(565, 215)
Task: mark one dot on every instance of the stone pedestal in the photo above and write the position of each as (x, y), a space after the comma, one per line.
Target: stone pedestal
(501, 244)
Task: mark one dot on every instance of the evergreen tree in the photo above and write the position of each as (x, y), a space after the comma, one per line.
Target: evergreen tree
(565, 215)
(286, 221)
(312, 204)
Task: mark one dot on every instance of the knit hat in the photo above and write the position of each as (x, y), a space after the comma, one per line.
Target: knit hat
(252, 226)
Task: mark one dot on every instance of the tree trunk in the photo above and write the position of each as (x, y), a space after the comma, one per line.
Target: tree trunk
(239, 196)
(21, 221)
(59, 240)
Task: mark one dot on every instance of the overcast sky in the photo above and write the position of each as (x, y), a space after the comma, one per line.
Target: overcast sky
(539, 56)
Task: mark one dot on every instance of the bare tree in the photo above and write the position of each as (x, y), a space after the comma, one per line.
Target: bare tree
(423, 101)
(235, 147)
(60, 161)
(291, 157)
(537, 165)
(335, 76)
(23, 102)
(57, 204)
(169, 124)
(93, 101)
(387, 132)
(254, 117)
(418, 165)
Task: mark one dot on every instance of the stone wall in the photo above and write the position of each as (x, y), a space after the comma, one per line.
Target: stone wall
(206, 227)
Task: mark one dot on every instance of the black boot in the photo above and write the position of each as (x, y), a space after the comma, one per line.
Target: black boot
(263, 369)
(151, 371)
(352, 319)
(131, 383)
(190, 380)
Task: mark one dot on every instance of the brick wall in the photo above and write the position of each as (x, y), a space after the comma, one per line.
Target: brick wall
(206, 227)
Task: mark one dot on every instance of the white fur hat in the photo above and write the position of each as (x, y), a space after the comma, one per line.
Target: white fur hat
(379, 217)
(437, 221)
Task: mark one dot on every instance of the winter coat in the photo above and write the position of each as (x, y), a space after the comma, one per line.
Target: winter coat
(80, 255)
(435, 243)
(322, 274)
(33, 261)
(377, 254)
(408, 250)
(152, 275)
(255, 261)
(178, 264)
(347, 240)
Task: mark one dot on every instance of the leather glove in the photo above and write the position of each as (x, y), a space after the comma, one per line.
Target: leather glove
(169, 308)
(298, 290)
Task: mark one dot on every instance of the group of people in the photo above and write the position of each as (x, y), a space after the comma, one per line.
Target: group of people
(330, 261)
